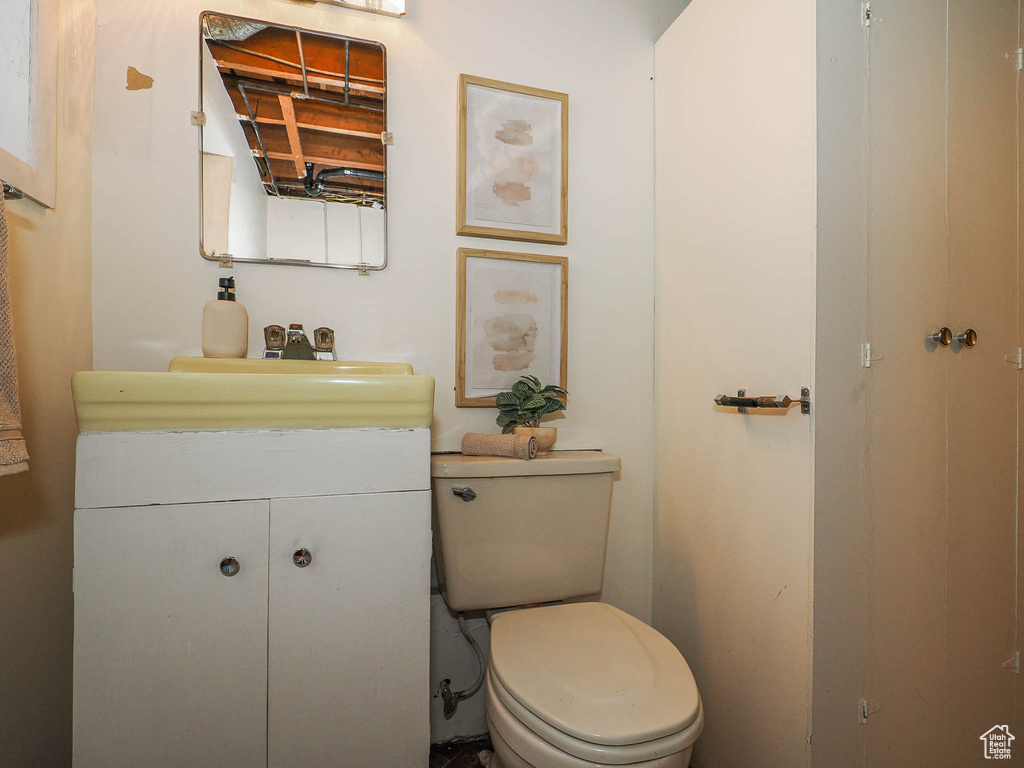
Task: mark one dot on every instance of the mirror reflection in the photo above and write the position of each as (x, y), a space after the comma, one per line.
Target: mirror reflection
(294, 168)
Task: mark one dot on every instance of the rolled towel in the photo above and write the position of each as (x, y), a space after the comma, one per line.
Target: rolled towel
(513, 446)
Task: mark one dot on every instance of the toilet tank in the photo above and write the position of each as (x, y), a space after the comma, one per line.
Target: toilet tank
(534, 531)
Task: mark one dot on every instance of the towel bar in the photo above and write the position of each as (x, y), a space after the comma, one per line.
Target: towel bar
(741, 402)
(11, 192)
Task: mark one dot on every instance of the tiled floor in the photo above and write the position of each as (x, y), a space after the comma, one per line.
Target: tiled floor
(462, 755)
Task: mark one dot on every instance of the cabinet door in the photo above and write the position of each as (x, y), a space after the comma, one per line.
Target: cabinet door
(349, 632)
(170, 657)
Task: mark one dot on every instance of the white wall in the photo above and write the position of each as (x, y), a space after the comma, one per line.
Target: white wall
(452, 658)
(295, 230)
(317, 231)
(150, 283)
(735, 276)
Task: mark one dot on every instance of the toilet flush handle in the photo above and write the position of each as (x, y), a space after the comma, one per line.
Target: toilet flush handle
(464, 492)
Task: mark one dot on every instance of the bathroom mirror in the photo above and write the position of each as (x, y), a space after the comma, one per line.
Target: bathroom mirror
(292, 152)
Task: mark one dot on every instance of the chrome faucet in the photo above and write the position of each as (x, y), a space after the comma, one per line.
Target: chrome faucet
(323, 343)
(273, 338)
(297, 346)
(293, 344)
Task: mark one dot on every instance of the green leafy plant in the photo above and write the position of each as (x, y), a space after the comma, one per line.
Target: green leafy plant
(527, 402)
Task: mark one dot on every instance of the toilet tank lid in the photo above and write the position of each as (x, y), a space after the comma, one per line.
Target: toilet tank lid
(555, 463)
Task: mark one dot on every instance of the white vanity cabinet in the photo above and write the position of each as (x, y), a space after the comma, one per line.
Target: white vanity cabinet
(314, 651)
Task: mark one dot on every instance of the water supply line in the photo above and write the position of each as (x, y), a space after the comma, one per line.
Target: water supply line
(452, 698)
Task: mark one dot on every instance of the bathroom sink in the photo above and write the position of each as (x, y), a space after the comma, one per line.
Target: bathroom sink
(257, 365)
(201, 393)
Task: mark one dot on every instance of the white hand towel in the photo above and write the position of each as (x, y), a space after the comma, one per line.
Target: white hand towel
(13, 453)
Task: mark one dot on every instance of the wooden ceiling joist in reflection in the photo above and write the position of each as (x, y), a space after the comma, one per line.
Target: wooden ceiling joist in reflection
(309, 115)
(322, 71)
(322, 129)
(324, 149)
(323, 54)
(294, 144)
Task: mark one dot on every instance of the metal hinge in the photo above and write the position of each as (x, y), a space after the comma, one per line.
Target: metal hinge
(198, 119)
(866, 11)
(387, 138)
(1016, 358)
(1020, 59)
(868, 355)
(864, 711)
(1014, 663)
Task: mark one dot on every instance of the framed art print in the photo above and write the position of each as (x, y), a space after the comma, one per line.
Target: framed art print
(513, 174)
(512, 321)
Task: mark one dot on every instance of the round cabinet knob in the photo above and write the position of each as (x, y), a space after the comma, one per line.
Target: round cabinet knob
(229, 566)
(968, 338)
(302, 557)
(943, 337)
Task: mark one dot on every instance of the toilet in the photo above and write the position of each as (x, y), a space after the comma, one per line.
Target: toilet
(569, 684)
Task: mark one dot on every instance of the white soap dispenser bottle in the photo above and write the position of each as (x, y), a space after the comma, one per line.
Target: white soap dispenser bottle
(225, 324)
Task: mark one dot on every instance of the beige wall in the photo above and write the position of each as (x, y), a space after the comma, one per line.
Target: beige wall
(50, 267)
(735, 272)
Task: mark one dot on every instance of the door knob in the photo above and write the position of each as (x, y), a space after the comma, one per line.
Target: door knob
(229, 566)
(302, 557)
(968, 338)
(942, 337)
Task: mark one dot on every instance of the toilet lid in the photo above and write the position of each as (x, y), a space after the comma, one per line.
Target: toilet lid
(594, 672)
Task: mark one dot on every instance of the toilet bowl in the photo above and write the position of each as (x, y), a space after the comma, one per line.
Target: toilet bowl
(569, 685)
(583, 685)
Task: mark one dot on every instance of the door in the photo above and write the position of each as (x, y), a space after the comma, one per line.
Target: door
(982, 397)
(735, 308)
(940, 603)
(170, 659)
(349, 630)
(907, 389)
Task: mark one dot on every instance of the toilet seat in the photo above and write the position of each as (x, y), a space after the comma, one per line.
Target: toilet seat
(505, 714)
(591, 683)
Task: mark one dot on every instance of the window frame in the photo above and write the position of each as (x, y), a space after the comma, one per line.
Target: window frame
(38, 179)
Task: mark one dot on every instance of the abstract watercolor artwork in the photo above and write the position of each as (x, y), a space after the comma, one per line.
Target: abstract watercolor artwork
(513, 161)
(511, 322)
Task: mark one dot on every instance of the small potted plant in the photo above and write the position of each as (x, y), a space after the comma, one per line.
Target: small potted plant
(521, 409)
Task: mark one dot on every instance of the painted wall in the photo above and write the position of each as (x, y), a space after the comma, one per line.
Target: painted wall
(150, 283)
(452, 658)
(50, 273)
(735, 291)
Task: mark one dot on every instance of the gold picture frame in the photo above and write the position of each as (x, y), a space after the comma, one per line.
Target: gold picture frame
(485, 361)
(529, 148)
